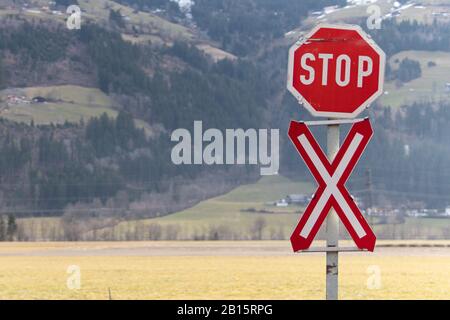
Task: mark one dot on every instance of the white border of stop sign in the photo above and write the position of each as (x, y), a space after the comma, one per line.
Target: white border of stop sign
(363, 106)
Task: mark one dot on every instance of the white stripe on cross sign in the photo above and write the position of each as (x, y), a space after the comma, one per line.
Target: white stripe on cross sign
(331, 188)
(331, 178)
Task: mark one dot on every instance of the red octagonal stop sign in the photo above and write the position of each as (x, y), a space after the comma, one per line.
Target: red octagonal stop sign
(336, 71)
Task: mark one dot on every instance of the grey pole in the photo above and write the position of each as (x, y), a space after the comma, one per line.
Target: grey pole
(332, 224)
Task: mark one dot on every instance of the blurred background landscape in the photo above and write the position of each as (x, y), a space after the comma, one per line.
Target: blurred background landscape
(85, 122)
(86, 117)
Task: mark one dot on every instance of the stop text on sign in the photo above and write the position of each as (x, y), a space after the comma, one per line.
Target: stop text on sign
(341, 66)
(336, 71)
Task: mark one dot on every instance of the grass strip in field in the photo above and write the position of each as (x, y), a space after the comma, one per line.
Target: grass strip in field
(397, 275)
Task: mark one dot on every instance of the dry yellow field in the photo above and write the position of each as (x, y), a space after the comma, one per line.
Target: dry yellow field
(215, 270)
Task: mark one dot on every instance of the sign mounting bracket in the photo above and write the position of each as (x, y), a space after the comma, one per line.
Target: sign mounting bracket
(333, 122)
(332, 249)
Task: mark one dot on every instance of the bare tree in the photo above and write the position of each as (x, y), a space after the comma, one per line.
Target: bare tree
(172, 231)
(256, 230)
(220, 232)
(277, 233)
(154, 231)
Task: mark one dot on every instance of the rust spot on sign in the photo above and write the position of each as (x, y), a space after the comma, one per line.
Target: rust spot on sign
(332, 269)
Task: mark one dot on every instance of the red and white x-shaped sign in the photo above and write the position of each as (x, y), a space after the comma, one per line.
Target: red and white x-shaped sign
(331, 178)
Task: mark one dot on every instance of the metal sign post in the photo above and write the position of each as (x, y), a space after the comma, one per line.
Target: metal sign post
(334, 71)
(332, 201)
(332, 224)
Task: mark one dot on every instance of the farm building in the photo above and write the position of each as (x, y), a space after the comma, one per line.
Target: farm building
(39, 99)
(281, 203)
(297, 199)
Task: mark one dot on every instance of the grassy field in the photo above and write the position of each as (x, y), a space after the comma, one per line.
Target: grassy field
(424, 12)
(230, 214)
(98, 11)
(154, 25)
(221, 211)
(215, 270)
(66, 103)
(430, 86)
(151, 26)
(346, 15)
(229, 211)
(215, 53)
